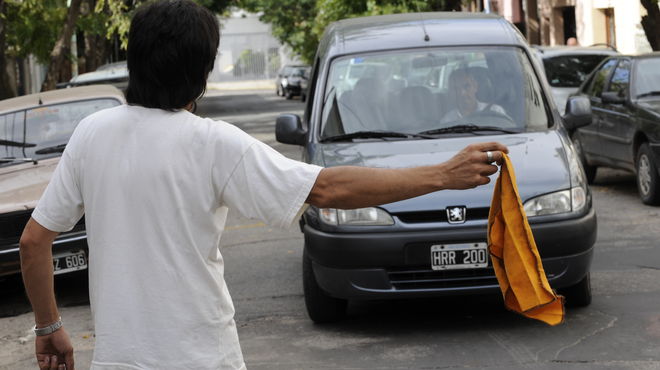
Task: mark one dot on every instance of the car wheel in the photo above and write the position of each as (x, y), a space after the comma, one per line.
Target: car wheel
(320, 306)
(578, 295)
(303, 97)
(289, 94)
(589, 170)
(647, 176)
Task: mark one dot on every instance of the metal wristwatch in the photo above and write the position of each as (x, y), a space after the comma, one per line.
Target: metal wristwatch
(48, 329)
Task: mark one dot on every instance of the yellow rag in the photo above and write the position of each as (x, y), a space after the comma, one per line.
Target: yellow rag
(515, 257)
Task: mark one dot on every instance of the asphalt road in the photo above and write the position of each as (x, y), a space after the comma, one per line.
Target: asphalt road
(620, 330)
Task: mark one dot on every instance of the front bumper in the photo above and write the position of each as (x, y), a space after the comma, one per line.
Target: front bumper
(10, 258)
(394, 265)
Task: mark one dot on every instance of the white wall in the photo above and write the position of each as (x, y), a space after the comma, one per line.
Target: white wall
(591, 27)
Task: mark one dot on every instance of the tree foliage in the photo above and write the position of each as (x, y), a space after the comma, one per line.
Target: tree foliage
(301, 23)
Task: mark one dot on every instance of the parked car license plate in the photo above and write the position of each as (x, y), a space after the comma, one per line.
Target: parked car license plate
(459, 256)
(67, 262)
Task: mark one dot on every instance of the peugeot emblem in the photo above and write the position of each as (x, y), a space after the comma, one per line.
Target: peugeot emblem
(456, 214)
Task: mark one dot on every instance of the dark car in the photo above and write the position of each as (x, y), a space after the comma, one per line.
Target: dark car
(34, 130)
(625, 131)
(384, 93)
(289, 80)
(566, 67)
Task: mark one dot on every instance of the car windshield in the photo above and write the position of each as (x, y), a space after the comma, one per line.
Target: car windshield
(570, 70)
(46, 129)
(647, 82)
(416, 91)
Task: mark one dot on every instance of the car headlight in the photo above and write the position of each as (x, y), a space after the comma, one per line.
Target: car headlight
(284, 82)
(371, 216)
(573, 200)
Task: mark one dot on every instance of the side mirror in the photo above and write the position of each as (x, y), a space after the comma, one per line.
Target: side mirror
(612, 97)
(578, 112)
(289, 130)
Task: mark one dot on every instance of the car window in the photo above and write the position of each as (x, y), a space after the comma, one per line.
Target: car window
(570, 70)
(620, 78)
(648, 80)
(11, 129)
(53, 125)
(600, 78)
(413, 91)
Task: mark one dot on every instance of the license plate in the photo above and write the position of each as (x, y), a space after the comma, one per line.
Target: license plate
(67, 262)
(459, 256)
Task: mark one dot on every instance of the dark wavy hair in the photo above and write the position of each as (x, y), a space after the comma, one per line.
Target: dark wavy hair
(172, 46)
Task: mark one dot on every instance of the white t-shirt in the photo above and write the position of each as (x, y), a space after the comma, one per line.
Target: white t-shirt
(155, 187)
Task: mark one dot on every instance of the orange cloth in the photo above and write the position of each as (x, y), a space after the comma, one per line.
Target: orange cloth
(515, 257)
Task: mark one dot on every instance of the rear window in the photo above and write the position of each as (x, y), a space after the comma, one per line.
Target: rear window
(570, 70)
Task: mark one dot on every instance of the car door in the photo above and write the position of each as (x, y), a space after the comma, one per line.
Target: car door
(616, 126)
(589, 136)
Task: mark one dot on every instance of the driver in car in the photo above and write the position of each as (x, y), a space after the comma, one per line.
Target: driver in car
(465, 87)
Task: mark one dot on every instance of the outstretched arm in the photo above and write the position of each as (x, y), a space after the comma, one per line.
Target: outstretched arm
(348, 187)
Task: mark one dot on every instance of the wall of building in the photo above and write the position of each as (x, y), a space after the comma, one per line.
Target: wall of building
(629, 35)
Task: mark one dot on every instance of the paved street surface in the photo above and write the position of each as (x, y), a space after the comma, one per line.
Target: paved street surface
(620, 330)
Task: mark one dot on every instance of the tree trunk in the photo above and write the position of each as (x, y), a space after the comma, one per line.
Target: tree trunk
(7, 89)
(62, 49)
(651, 23)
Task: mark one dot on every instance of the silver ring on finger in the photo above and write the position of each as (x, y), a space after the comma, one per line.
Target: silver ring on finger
(489, 156)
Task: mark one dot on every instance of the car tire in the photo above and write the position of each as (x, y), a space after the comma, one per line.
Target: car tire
(288, 94)
(589, 170)
(303, 97)
(647, 176)
(578, 295)
(321, 307)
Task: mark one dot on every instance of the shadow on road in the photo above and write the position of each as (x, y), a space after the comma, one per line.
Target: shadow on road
(70, 290)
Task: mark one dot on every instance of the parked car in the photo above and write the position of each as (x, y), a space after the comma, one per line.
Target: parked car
(566, 67)
(408, 118)
(34, 130)
(115, 74)
(625, 131)
(289, 79)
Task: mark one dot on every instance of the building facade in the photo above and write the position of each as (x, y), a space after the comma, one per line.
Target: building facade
(553, 22)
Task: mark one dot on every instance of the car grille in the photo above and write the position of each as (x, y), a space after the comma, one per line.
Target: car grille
(12, 225)
(440, 216)
(411, 278)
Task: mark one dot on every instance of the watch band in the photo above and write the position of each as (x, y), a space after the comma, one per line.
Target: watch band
(48, 329)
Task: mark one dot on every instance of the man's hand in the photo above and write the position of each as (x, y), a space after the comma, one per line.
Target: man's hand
(471, 167)
(54, 351)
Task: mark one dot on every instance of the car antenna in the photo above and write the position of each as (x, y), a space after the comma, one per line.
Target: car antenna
(421, 16)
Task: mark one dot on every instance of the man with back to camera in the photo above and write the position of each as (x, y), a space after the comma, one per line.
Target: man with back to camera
(155, 183)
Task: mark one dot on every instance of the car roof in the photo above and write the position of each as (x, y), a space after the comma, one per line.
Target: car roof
(60, 96)
(114, 71)
(402, 31)
(554, 51)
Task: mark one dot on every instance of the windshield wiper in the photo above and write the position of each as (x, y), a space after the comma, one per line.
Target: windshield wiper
(19, 144)
(375, 135)
(459, 129)
(51, 149)
(650, 93)
(14, 159)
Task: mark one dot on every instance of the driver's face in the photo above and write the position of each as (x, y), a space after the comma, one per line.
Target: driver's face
(466, 88)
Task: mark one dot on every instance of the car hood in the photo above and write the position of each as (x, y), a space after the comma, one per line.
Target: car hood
(560, 95)
(21, 185)
(539, 161)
